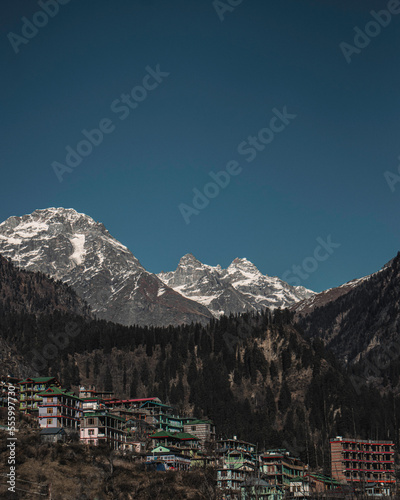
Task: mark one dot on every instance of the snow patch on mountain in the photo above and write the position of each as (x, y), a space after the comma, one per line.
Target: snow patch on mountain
(78, 243)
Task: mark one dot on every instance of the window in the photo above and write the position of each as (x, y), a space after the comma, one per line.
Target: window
(91, 432)
(90, 421)
(193, 427)
(49, 421)
(49, 410)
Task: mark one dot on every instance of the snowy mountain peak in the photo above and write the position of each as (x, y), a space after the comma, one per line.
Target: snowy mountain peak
(189, 260)
(244, 266)
(72, 247)
(241, 287)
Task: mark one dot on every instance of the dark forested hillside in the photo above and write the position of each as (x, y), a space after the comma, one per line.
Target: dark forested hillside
(35, 293)
(253, 374)
(366, 317)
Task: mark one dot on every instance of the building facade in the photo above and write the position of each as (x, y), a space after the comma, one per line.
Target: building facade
(103, 427)
(59, 408)
(279, 467)
(362, 461)
(30, 388)
(202, 429)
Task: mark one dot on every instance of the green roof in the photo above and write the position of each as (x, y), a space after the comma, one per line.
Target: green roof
(176, 435)
(325, 479)
(156, 404)
(58, 391)
(160, 449)
(161, 434)
(185, 435)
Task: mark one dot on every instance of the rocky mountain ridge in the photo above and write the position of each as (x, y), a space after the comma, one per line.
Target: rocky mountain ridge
(72, 247)
(239, 288)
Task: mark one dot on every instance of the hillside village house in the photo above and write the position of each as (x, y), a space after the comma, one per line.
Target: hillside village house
(104, 427)
(174, 448)
(29, 392)
(279, 467)
(59, 408)
(237, 464)
(255, 488)
(163, 416)
(183, 441)
(202, 429)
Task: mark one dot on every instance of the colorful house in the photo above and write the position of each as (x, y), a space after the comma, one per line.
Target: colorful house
(172, 457)
(230, 480)
(29, 392)
(104, 427)
(279, 467)
(180, 440)
(163, 416)
(255, 488)
(59, 408)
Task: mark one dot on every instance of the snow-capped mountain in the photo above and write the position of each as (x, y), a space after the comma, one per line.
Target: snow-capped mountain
(75, 249)
(241, 287)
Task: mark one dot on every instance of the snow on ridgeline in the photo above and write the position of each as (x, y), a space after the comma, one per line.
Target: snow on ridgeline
(241, 287)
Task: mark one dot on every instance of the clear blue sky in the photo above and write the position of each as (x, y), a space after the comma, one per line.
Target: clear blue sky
(323, 174)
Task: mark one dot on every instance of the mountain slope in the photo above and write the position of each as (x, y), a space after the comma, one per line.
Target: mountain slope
(35, 293)
(239, 288)
(72, 247)
(361, 316)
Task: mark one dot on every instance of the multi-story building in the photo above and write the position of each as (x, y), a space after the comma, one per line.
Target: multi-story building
(362, 461)
(171, 458)
(182, 440)
(163, 416)
(231, 479)
(202, 429)
(312, 484)
(30, 388)
(102, 426)
(59, 408)
(279, 468)
(91, 392)
(237, 461)
(256, 488)
(225, 445)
